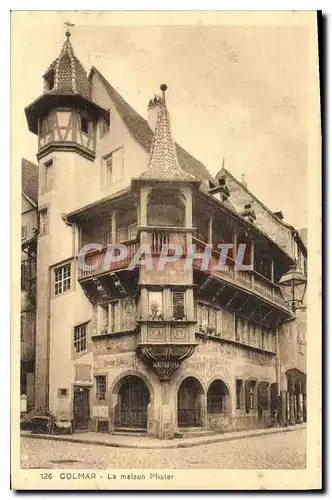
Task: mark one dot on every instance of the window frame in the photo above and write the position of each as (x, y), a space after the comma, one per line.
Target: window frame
(84, 119)
(110, 179)
(48, 180)
(161, 312)
(134, 224)
(125, 235)
(180, 318)
(252, 394)
(57, 281)
(97, 400)
(239, 395)
(43, 228)
(84, 339)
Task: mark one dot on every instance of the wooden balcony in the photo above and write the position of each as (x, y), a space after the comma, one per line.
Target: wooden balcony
(249, 280)
(97, 259)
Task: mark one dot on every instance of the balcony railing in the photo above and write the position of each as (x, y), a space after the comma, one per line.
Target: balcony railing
(249, 279)
(97, 259)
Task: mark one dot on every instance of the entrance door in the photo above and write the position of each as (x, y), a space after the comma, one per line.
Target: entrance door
(134, 398)
(189, 412)
(81, 408)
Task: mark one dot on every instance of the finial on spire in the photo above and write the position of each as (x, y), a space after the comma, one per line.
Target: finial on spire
(69, 25)
(163, 88)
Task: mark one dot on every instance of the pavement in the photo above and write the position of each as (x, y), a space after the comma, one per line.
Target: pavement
(147, 442)
(281, 450)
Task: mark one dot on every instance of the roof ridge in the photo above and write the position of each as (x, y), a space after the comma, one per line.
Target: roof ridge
(254, 197)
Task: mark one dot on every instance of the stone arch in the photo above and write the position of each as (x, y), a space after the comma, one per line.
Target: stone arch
(131, 401)
(190, 402)
(218, 397)
(187, 374)
(114, 387)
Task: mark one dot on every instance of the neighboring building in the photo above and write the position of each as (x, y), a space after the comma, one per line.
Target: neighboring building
(161, 350)
(29, 223)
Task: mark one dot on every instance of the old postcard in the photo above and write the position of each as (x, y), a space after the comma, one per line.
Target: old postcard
(166, 172)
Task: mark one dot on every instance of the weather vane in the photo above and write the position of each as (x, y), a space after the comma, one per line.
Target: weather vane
(69, 25)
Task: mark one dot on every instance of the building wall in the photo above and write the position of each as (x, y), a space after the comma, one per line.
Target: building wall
(29, 218)
(76, 183)
(135, 158)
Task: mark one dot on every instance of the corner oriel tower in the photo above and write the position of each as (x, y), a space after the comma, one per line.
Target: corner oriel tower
(65, 119)
(65, 115)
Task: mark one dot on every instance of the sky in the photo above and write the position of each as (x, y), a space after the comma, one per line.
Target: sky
(235, 92)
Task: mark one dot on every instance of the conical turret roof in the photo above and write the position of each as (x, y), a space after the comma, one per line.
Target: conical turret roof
(67, 73)
(163, 161)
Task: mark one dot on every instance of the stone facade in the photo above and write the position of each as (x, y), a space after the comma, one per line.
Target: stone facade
(144, 347)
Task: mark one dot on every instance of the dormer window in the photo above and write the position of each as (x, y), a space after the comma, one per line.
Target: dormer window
(49, 79)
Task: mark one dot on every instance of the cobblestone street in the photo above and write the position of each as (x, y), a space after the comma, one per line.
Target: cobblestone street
(278, 451)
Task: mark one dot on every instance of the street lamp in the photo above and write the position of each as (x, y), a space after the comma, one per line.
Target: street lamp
(293, 285)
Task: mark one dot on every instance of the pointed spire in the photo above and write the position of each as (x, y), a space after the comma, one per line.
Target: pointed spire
(66, 73)
(163, 162)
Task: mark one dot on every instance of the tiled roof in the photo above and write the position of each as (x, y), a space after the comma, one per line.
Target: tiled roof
(69, 74)
(30, 180)
(140, 130)
(163, 162)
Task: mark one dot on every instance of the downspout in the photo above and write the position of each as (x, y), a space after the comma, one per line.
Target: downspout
(48, 338)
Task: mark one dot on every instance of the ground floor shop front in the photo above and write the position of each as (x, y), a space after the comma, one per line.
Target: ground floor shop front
(221, 390)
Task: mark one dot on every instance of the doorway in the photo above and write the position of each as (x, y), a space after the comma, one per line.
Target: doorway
(133, 400)
(189, 408)
(81, 408)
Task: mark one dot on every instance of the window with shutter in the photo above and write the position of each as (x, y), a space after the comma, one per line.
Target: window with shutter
(263, 396)
(247, 395)
(239, 394)
(178, 306)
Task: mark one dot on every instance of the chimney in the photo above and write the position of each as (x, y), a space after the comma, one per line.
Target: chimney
(279, 214)
(153, 110)
(243, 180)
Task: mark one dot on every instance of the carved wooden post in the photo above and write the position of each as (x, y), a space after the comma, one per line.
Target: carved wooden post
(113, 228)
